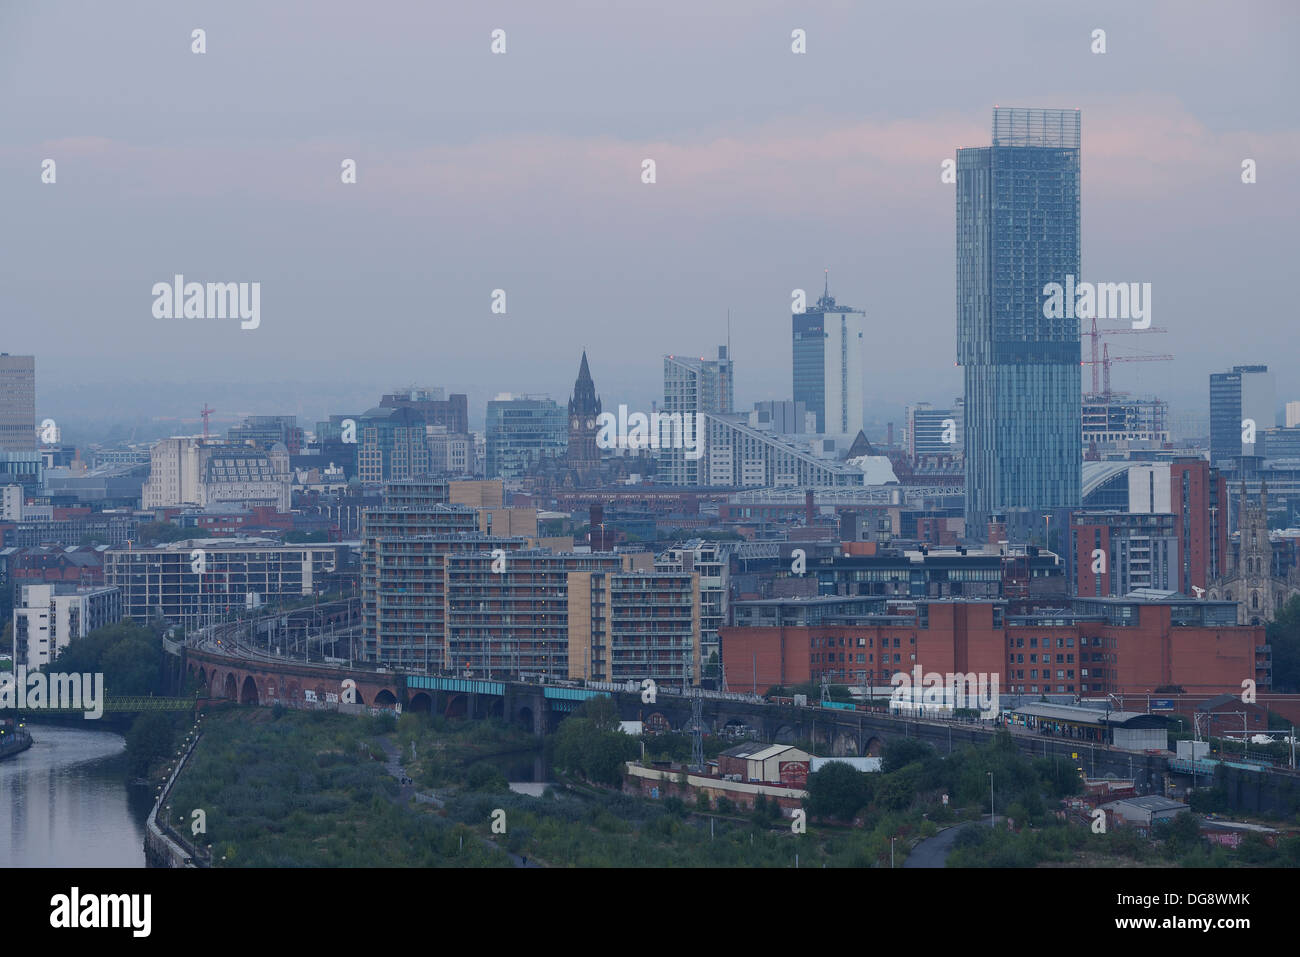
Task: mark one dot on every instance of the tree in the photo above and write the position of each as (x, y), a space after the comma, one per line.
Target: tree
(1284, 636)
(601, 711)
(900, 752)
(151, 738)
(838, 790)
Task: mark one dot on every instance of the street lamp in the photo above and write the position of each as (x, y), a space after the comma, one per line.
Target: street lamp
(990, 773)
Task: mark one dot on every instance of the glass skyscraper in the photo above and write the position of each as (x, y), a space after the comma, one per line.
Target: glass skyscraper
(829, 364)
(1017, 230)
(1247, 392)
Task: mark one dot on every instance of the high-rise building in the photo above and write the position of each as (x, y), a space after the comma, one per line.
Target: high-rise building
(17, 403)
(829, 364)
(521, 431)
(1018, 229)
(693, 386)
(1115, 553)
(1245, 393)
(1292, 414)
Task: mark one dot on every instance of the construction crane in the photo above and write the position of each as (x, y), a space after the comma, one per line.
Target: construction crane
(1097, 359)
(205, 412)
(1107, 359)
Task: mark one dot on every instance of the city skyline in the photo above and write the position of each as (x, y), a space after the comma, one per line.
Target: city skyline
(815, 169)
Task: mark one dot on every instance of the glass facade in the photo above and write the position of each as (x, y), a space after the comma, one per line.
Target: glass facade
(1245, 392)
(520, 432)
(1018, 229)
(829, 364)
(809, 367)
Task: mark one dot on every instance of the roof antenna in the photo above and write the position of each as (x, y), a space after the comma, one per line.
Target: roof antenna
(826, 289)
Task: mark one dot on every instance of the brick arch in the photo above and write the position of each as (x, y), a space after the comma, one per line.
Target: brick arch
(231, 687)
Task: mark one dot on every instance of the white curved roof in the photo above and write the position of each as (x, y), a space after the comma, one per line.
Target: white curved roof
(1095, 474)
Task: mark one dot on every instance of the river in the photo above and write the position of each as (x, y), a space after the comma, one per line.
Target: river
(64, 802)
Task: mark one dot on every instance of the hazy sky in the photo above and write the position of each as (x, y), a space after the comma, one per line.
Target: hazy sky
(522, 172)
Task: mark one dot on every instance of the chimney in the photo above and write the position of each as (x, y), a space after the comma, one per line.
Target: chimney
(808, 508)
(997, 532)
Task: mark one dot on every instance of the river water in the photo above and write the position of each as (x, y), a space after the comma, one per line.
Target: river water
(64, 802)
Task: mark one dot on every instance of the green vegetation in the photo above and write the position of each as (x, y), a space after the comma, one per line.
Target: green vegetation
(305, 790)
(1283, 634)
(157, 533)
(130, 657)
(1175, 843)
(590, 744)
(813, 691)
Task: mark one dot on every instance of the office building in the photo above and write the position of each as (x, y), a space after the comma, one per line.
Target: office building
(1018, 229)
(829, 364)
(520, 432)
(17, 403)
(1245, 393)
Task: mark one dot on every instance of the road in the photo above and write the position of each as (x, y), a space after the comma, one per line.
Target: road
(934, 851)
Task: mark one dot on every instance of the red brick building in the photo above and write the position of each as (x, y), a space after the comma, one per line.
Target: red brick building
(1094, 646)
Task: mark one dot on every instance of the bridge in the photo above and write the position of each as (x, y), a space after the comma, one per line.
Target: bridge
(132, 704)
(234, 672)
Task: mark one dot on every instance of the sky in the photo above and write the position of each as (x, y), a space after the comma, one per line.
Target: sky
(522, 171)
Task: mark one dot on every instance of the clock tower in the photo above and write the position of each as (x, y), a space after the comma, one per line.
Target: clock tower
(584, 409)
